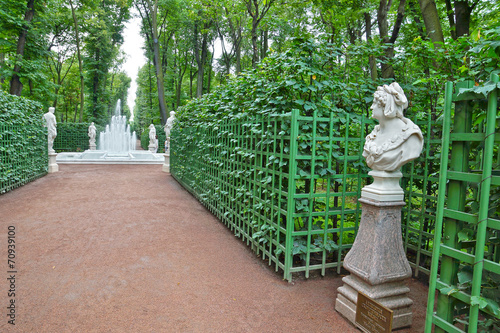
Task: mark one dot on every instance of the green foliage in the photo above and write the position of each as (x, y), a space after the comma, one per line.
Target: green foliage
(233, 149)
(73, 137)
(23, 142)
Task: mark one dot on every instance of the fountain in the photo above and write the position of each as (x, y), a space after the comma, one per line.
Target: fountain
(116, 146)
(117, 139)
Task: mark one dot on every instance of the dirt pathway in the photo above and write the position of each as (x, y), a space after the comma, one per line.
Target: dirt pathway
(117, 248)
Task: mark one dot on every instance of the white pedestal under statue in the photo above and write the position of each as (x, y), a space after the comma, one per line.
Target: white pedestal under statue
(53, 166)
(166, 164)
(377, 260)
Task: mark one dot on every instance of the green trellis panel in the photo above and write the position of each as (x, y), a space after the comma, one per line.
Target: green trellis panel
(73, 137)
(467, 224)
(23, 155)
(287, 185)
(419, 182)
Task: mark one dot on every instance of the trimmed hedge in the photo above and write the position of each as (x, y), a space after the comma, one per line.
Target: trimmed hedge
(23, 142)
(73, 137)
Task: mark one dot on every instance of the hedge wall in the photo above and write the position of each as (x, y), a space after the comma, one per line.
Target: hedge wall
(23, 142)
(73, 137)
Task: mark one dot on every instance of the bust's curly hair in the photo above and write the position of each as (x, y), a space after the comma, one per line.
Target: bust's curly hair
(392, 98)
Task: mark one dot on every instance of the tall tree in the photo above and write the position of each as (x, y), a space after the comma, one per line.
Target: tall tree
(383, 27)
(459, 16)
(15, 83)
(230, 25)
(154, 21)
(432, 23)
(80, 63)
(257, 11)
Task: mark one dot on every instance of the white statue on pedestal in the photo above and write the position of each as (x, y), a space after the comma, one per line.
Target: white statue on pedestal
(167, 128)
(92, 135)
(396, 140)
(153, 141)
(51, 123)
(377, 260)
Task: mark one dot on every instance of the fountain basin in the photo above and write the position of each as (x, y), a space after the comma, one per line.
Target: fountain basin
(104, 157)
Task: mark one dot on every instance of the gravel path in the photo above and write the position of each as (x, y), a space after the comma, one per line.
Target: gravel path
(124, 248)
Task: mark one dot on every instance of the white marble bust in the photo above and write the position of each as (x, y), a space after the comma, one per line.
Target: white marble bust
(396, 140)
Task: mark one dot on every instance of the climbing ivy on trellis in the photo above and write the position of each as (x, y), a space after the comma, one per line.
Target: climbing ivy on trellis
(23, 142)
(276, 155)
(73, 137)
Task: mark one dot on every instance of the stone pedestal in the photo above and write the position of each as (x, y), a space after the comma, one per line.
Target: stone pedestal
(92, 146)
(53, 167)
(166, 164)
(152, 147)
(377, 261)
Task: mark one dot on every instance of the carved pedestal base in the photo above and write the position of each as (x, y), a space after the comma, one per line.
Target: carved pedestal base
(377, 263)
(53, 167)
(152, 148)
(391, 295)
(92, 146)
(166, 164)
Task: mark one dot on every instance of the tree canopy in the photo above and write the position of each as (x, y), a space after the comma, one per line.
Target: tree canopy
(67, 53)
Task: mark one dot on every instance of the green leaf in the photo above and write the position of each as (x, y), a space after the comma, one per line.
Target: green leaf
(465, 275)
(448, 290)
(465, 235)
(478, 300)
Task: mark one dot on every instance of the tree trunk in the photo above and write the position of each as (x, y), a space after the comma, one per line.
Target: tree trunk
(387, 69)
(462, 17)
(371, 58)
(265, 43)
(95, 89)
(383, 27)
(257, 15)
(200, 61)
(157, 62)
(80, 64)
(238, 53)
(255, 50)
(431, 21)
(15, 83)
(451, 19)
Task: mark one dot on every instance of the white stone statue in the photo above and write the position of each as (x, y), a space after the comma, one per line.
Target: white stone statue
(92, 134)
(153, 141)
(169, 124)
(51, 123)
(396, 140)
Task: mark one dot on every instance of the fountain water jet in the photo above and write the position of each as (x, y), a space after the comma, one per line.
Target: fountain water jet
(117, 139)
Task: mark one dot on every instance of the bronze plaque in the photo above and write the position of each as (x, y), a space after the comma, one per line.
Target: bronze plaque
(372, 316)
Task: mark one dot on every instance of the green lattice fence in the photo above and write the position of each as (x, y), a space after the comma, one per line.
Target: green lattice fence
(73, 137)
(23, 154)
(23, 142)
(420, 184)
(294, 201)
(467, 242)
